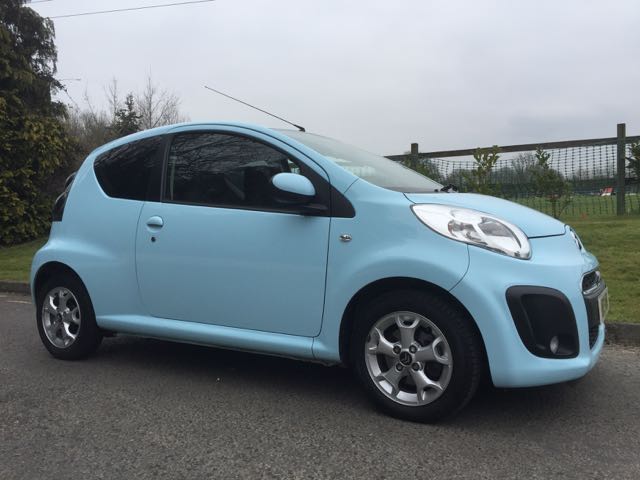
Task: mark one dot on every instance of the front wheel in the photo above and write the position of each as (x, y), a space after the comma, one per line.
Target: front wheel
(417, 355)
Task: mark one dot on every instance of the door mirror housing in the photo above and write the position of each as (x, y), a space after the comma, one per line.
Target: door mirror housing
(293, 189)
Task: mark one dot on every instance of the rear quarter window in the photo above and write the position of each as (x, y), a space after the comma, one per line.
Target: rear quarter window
(132, 171)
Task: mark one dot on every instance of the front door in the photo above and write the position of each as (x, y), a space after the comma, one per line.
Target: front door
(220, 249)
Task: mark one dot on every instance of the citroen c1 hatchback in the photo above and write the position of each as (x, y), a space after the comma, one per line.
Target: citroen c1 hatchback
(294, 244)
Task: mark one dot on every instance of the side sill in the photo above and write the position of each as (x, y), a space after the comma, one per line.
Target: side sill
(278, 344)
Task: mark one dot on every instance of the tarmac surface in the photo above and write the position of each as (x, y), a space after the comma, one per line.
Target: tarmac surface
(142, 408)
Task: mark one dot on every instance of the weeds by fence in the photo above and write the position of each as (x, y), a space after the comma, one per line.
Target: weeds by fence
(570, 178)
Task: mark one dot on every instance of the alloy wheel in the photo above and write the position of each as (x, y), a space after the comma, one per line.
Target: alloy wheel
(408, 358)
(61, 317)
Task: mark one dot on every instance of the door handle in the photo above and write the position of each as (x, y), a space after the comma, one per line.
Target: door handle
(155, 223)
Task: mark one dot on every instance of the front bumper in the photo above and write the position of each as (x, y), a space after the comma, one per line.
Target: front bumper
(556, 264)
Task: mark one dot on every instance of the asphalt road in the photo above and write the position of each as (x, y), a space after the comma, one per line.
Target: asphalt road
(150, 409)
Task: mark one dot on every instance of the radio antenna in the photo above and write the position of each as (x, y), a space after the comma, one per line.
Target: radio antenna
(254, 107)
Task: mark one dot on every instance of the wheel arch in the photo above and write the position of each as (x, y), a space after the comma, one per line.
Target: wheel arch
(385, 285)
(48, 270)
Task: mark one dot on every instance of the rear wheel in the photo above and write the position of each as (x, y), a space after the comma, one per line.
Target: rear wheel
(65, 318)
(417, 355)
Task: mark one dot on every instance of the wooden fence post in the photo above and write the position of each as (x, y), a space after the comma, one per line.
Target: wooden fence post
(621, 167)
(413, 157)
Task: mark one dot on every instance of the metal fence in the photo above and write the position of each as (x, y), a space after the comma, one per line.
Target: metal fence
(595, 173)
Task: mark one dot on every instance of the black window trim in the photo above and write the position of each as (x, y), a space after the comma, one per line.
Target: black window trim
(333, 197)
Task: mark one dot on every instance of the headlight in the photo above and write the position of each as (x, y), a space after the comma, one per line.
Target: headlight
(475, 228)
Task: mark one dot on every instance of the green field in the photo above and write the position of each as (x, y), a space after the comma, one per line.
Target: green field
(614, 240)
(584, 206)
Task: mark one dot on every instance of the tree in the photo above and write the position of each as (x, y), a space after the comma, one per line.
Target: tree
(550, 184)
(157, 107)
(89, 128)
(127, 120)
(34, 145)
(92, 127)
(523, 166)
(478, 179)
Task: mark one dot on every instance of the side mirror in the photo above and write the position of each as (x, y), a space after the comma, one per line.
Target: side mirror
(293, 189)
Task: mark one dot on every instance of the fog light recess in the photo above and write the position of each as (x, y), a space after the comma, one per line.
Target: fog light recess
(545, 321)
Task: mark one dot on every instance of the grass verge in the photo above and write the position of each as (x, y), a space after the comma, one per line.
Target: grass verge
(15, 262)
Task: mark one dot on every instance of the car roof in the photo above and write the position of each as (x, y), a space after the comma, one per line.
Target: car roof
(168, 128)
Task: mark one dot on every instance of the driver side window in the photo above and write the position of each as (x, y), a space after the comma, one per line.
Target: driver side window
(218, 169)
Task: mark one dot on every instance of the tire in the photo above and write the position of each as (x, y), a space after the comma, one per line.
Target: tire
(58, 321)
(445, 355)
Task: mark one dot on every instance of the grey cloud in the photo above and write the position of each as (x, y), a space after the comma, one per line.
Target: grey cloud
(378, 74)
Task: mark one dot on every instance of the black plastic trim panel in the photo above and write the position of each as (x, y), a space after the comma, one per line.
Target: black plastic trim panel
(541, 313)
(58, 206)
(593, 312)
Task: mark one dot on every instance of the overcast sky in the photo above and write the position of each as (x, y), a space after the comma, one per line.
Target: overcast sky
(378, 74)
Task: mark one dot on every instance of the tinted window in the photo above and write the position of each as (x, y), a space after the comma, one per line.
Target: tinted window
(371, 167)
(132, 170)
(221, 169)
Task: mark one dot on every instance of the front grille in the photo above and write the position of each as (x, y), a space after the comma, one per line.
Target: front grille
(593, 335)
(590, 281)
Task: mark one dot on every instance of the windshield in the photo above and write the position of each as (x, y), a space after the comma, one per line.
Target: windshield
(370, 167)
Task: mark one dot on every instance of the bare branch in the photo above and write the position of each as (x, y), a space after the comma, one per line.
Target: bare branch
(157, 107)
(113, 97)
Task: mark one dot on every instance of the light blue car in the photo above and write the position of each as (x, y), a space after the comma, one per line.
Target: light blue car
(294, 244)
